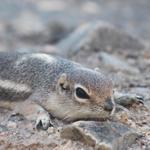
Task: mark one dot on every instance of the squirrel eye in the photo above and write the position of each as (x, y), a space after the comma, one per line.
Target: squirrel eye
(80, 93)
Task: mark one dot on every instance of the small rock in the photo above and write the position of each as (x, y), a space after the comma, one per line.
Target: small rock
(116, 63)
(51, 130)
(97, 36)
(12, 124)
(101, 135)
(16, 117)
(3, 128)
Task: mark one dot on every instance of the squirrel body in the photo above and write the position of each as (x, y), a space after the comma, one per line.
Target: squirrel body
(36, 84)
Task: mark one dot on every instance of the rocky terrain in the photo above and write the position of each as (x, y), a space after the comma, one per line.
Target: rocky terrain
(112, 35)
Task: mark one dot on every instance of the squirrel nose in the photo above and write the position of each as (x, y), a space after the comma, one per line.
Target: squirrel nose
(108, 105)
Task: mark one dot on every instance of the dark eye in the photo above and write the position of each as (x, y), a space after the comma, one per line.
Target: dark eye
(81, 93)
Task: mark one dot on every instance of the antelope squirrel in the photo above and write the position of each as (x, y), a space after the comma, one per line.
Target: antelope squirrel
(36, 84)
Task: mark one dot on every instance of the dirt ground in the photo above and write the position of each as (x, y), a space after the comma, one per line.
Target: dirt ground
(40, 25)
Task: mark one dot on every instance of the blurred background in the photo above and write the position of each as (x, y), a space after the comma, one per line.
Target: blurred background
(37, 23)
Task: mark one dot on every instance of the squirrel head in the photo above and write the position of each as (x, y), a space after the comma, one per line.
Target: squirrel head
(85, 94)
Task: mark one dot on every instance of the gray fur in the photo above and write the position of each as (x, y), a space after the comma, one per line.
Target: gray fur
(28, 69)
(39, 77)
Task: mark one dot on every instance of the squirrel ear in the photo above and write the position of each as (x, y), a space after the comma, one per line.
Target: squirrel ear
(62, 79)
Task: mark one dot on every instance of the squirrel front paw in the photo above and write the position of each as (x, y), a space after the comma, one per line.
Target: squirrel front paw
(127, 99)
(43, 121)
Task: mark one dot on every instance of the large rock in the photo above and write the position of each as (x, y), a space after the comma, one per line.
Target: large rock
(98, 36)
(101, 135)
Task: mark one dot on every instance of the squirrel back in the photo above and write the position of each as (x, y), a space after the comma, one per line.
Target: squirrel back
(22, 73)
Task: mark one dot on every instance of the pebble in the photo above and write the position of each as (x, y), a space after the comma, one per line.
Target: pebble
(11, 124)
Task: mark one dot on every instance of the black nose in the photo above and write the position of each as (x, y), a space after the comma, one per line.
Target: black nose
(108, 105)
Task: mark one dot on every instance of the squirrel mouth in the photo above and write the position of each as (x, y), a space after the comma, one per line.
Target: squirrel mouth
(110, 105)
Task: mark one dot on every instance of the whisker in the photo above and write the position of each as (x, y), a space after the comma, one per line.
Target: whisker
(67, 115)
(123, 108)
(114, 106)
